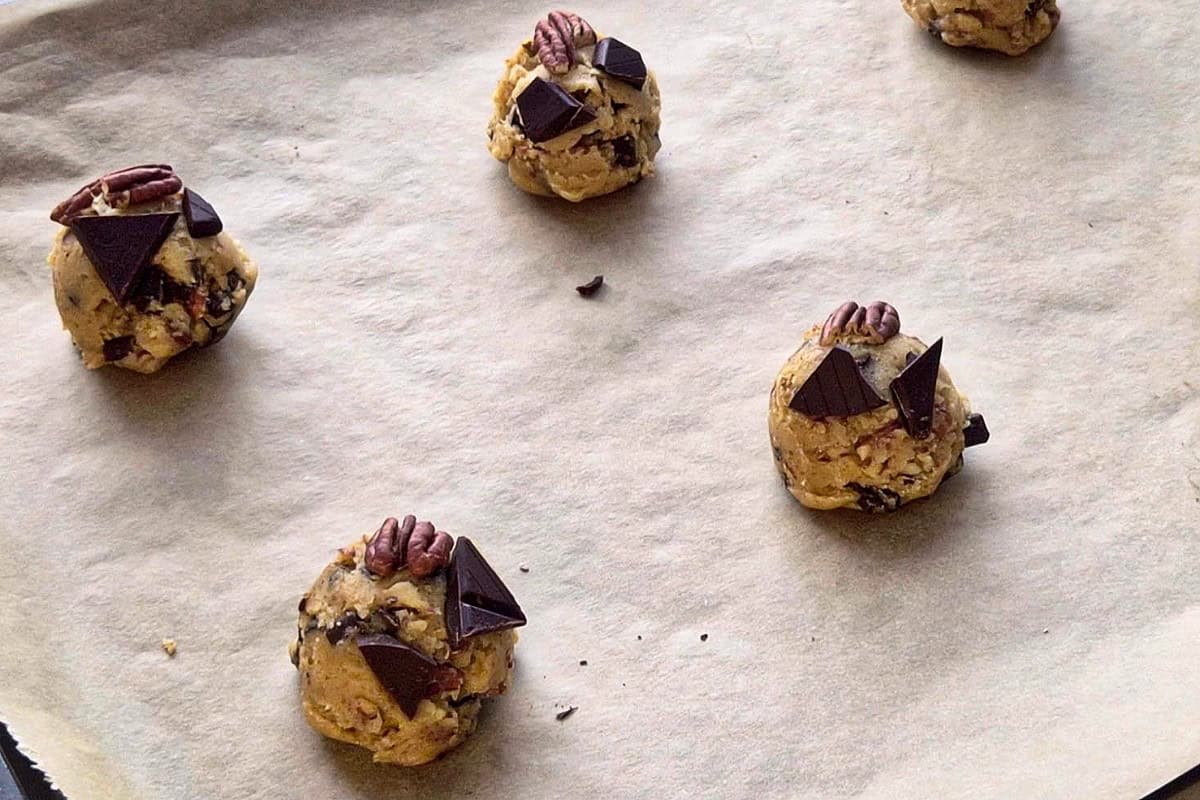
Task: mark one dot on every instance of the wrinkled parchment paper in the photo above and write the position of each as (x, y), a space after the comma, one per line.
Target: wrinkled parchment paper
(416, 343)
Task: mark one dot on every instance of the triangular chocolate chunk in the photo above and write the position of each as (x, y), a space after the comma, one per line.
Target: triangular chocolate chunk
(915, 389)
(121, 247)
(477, 601)
(404, 671)
(546, 111)
(202, 219)
(836, 388)
(976, 431)
(621, 61)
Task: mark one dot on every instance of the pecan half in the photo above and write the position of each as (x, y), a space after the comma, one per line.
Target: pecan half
(121, 189)
(557, 36)
(385, 550)
(877, 322)
(428, 550)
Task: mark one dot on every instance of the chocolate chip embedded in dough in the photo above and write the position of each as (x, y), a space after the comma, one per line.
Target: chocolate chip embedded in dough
(620, 61)
(117, 348)
(122, 247)
(547, 111)
(914, 391)
(477, 601)
(202, 219)
(836, 388)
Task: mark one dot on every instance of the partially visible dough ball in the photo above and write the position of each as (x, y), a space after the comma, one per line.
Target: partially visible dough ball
(1009, 26)
(187, 295)
(409, 621)
(614, 149)
(867, 460)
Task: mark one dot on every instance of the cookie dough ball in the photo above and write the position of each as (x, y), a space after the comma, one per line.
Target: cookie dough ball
(864, 417)
(400, 639)
(1010, 26)
(576, 115)
(142, 270)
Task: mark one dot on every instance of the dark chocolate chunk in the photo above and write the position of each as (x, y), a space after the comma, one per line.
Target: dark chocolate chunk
(218, 304)
(704, 637)
(202, 219)
(120, 248)
(477, 601)
(547, 111)
(976, 431)
(621, 61)
(836, 388)
(566, 712)
(914, 391)
(156, 285)
(406, 673)
(876, 499)
(625, 150)
(343, 626)
(1034, 7)
(118, 348)
(591, 287)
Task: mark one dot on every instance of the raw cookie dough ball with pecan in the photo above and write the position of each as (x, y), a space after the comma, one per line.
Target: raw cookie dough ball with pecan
(142, 270)
(865, 417)
(1010, 26)
(575, 116)
(400, 639)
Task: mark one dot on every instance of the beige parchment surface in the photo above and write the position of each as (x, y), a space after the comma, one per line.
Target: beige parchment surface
(415, 343)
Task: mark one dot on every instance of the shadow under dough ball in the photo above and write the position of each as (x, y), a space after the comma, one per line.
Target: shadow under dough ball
(143, 270)
(864, 417)
(1008, 26)
(400, 639)
(575, 115)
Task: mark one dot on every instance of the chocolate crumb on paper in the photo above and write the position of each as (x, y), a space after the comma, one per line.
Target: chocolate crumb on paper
(591, 287)
(566, 712)
(704, 637)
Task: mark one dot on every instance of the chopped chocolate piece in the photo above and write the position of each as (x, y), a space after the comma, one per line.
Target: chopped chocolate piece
(547, 111)
(477, 601)
(704, 637)
(202, 219)
(583, 662)
(156, 285)
(117, 348)
(120, 248)
(303, 602)
(218, 304)
(625, 149)
(621, 61)
(343, 626)
(836, 388)
(876, 499)
(591, 287)
(407, 673)
(976, 431)
(914, 391)
(566, 712)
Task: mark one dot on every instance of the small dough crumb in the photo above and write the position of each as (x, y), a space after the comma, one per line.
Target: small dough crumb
(169, 647)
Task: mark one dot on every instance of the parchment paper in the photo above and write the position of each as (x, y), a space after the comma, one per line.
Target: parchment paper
(415, 343)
